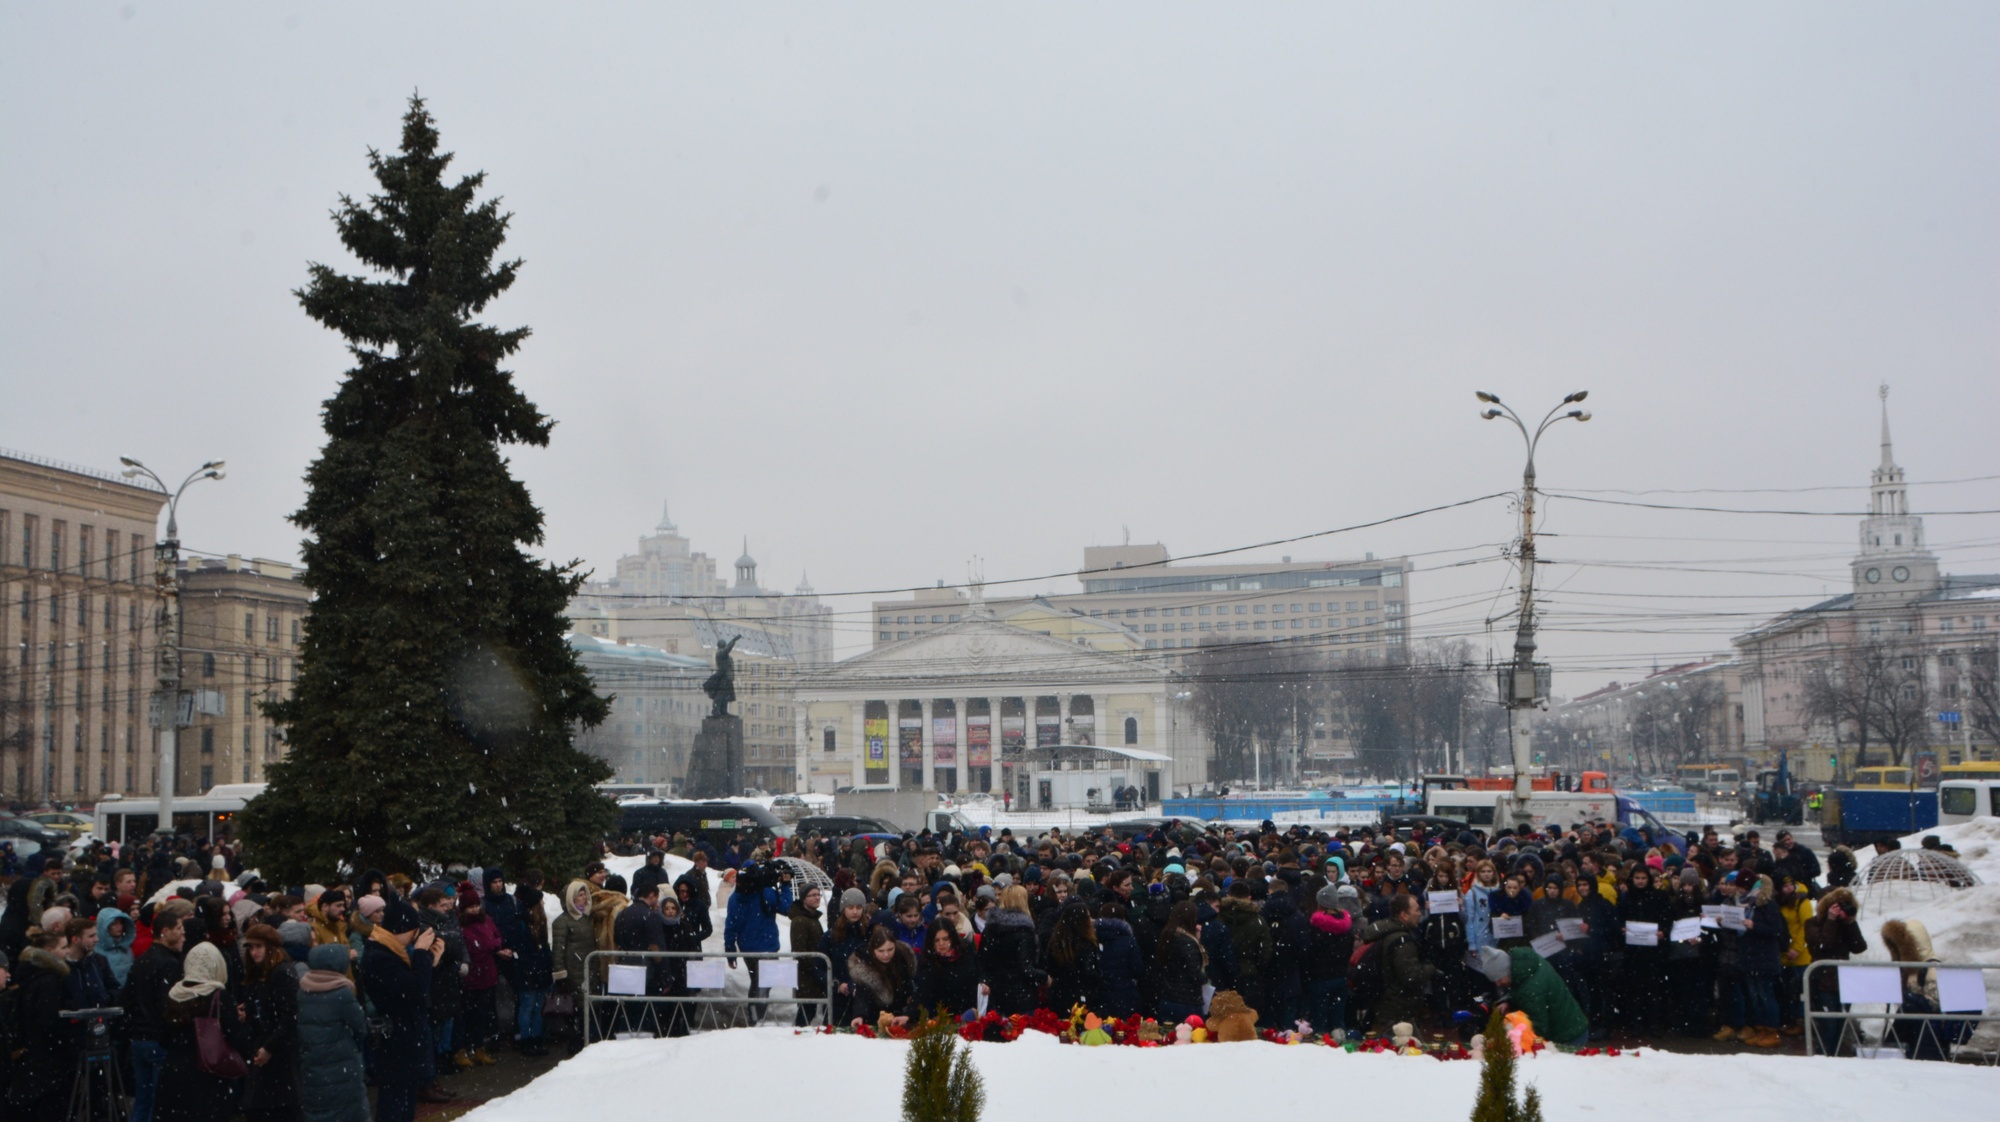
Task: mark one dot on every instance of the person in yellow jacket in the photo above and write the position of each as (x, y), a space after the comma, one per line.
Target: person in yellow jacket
(328, 916)
(1795, 903)
(1605, 879)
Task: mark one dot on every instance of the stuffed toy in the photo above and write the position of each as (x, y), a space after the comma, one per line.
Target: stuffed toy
(1093, 1031)
(1230, 1019)
(1521, 1033)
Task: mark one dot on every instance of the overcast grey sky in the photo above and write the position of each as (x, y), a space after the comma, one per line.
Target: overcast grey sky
(885, 287)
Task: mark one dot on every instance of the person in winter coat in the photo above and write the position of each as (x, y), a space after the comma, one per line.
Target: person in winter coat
(763, 893)
(1121, 962)
(1252, 943)
(1218, 948)
(1405, 974)
(90, 985)
(1329, 949)
(1909, 940)
(332, 1030)
(847, 934)
(39, 1084)
(484, 950)
(144, 1001)
(1832, 935)
(571, 940)
(271, 1004)
(1642, 985)
(683, 929)
(947, 972)
(537, 976)
(884, 975)
(114, 942)
(187, 1093)
(1284, 976)
(1180, 967)
(1759, 953)
(1441, 938)
(1479, 904)
(435, 912)
(507, 922)
(1690, 962)
(1008, 971)
(1075, 961)
(1795, 903)
(1533, 987)
(807, 936)
(396, 973)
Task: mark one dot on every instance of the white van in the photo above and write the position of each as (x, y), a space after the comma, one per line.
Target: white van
(1961, 800)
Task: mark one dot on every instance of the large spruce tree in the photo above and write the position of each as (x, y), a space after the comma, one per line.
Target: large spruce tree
(436, 700)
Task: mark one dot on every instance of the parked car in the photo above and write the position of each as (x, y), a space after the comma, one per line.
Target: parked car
(75, 825)
(31, 837)
(842, 825)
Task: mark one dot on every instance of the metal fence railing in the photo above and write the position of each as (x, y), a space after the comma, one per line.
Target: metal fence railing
(1871, 1010)
(641, 993)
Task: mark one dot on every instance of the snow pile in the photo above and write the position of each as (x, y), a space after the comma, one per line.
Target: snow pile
(1964, 923)
(721, 1074)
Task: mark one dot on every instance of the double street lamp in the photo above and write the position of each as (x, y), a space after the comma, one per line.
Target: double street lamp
(1520, 685)
(166, 568)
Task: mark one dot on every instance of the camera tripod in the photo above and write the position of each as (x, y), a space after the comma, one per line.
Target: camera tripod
(98, 1094)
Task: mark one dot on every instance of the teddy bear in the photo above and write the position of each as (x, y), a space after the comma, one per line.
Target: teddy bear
(1229, 1019)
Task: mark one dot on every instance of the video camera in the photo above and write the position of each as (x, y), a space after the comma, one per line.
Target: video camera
(97, 1027)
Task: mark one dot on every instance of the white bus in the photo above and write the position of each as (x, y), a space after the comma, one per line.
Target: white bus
(206, 816)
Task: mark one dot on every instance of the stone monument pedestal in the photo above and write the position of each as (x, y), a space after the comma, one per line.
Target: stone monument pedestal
(715, 767)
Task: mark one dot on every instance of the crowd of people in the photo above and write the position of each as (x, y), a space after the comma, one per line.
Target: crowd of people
(322, 992)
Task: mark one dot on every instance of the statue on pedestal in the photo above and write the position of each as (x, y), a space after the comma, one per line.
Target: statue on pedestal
(721, 685)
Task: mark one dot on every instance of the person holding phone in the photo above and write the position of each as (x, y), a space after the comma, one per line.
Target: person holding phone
(396, 975)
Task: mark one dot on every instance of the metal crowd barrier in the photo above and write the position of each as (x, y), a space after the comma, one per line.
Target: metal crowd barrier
(1954, 1036)
(610, 1015)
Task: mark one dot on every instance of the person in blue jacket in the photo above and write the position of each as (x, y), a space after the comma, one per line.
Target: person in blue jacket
(763, 893)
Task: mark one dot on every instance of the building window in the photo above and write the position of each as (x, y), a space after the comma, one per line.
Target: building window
(902, 634)
(1260, 625)
(1187, 611)
(207, 776)
(1152, 627)
(1242, 610)
(207, 741)
(1131, 730)
(270, 628)
(1152, 643)
(1151, 612)
(882, 635)
(295, 631)
(829, 740)
(1204, 609)
(208, 666)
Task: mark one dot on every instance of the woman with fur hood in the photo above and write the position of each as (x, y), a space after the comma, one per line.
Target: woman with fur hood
(1760, 956)
(1909, 940)
(883, 975)
(41, 1075)
(571, 939)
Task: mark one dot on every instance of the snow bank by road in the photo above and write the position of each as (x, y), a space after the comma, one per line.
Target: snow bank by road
(722, 1074)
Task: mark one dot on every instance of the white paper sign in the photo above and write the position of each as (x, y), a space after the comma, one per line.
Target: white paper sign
(1711, 911)
(1549, 945)
(1571, 929)
(778, 973)
(983, 999)
(1443, 903)
(1639, 934)
(1731, 917)
(1507, 927)
(1871, 985)
(628, 981)
(1961, 991)
(706, 973)
(1207, 995)
(1685, 929)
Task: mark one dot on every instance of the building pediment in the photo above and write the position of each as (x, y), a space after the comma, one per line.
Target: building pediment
(987, 651)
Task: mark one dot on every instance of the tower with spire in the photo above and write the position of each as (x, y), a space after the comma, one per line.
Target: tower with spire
(1893, 566)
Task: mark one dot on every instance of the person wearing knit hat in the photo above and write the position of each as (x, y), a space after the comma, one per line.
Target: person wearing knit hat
(395, 973)
(853, 898)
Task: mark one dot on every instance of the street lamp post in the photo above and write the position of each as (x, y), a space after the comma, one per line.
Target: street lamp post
(166, 575)
(1520, 688)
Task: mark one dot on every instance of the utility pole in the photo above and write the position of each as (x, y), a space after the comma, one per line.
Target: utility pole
(167, 664)
(1524, 682)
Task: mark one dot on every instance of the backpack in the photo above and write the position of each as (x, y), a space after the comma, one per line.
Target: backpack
(1365, 973)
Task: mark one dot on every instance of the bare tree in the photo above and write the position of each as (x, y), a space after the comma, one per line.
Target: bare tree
(1878, 692)
(1980, 685)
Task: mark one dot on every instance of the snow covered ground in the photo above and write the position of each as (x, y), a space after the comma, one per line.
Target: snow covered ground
(720, 1074)
(1964, 923)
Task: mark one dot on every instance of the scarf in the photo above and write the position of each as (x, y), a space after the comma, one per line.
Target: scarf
(202, 975)
(380, 936)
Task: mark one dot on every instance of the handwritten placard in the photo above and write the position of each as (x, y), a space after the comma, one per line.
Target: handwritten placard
(1443, 903)
(1507, 927)
(1549, 945)
(778, 973)
(1686, 929)
(1639, 934)
(1731, 917)
(1572, 929)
